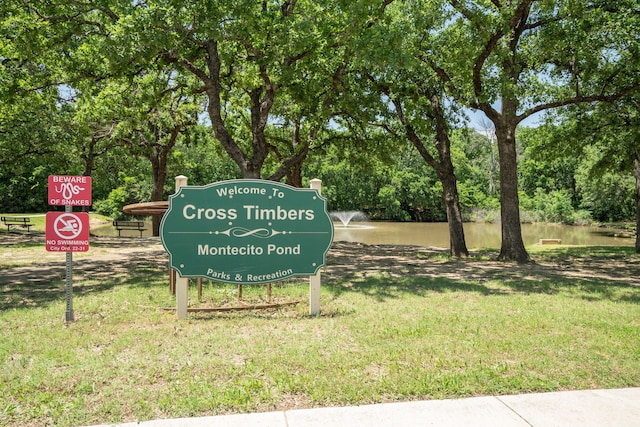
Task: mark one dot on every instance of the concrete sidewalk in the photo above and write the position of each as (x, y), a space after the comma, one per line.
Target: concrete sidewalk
(601, 408)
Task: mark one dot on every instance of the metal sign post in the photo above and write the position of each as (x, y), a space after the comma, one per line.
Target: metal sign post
(69, 317)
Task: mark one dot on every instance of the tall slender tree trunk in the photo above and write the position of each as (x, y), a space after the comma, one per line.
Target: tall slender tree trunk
(636, 173)
(159, 172)
(446, 175)
(512, 248)
(451, 201)
(158, 156)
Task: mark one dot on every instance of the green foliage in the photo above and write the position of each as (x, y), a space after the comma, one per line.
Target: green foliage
(26, 192)
(36, 139)
(112, 205)
(474, 195)
(609, 197)
(400, 187)
(132, 190)
(552, 206)
(202, 163)
(388, 197)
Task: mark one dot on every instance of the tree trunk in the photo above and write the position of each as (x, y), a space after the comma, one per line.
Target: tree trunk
(291, 166)
(250, 165)
(446, 175)
(158, 158)
(249, 170)
(454, 214)
(159, 172)
(294, 177)
(89, 159)
(636, 173)
(512, 248)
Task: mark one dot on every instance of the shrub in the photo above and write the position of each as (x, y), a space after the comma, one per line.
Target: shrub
(553, 206)
(132, 191)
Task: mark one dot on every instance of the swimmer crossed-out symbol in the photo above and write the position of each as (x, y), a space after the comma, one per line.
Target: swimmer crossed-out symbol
(67, 226)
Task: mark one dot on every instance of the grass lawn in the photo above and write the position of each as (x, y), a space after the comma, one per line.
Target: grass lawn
(396, 324)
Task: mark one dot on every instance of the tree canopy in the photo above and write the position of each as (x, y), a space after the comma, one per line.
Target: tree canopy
(287, 88)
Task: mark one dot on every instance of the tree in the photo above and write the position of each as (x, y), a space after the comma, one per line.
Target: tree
(246, 55)
(413, 123)
(33, 144)
(514, 59)
(151, 111)
(36, 140)
(302, 117)
(403, 97)
(489, 132)
(605, 137)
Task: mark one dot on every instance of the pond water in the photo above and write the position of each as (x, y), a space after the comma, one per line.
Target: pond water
(477, 235)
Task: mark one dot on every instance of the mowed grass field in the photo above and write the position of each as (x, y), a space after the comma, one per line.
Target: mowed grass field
(397, 323)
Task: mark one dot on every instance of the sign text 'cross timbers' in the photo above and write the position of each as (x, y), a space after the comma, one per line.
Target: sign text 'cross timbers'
(246, 231)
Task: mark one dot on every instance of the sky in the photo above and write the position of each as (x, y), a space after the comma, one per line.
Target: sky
(479, 121)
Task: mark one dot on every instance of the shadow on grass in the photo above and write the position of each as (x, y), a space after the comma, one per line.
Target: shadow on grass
(40, 285)
(381, 272)
(385, 287)
(123, 242)
(590, 273)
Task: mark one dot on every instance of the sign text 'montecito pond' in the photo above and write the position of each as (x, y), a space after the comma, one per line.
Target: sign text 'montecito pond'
(246, 231)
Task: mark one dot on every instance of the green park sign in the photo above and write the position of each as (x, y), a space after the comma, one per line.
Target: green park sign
(246, 231)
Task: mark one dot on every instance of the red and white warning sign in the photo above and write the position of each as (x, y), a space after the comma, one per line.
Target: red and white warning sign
(67, 232)
(69, 190)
